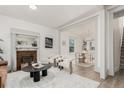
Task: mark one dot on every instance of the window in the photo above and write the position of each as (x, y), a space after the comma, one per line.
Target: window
(71, 45)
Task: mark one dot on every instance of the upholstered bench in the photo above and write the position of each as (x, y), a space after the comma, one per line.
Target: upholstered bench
(67, 63)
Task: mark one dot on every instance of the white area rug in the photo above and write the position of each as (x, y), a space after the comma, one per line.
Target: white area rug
(55, 79)
(85, 64)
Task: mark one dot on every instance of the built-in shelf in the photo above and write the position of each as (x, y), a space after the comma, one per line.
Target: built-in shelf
(26, 42)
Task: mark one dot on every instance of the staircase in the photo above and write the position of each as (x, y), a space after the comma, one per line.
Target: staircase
(122, 54)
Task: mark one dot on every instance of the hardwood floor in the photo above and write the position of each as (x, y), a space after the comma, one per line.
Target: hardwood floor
(111, 82)
(114, 82)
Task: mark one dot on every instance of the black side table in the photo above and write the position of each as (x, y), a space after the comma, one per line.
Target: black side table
(44, 72)
(36, 76)
(31, 74)
(35, 72)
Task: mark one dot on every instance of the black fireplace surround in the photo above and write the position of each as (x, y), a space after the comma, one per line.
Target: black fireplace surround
(27, 59)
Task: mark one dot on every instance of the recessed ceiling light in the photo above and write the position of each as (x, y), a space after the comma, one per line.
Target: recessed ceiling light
(34, 7)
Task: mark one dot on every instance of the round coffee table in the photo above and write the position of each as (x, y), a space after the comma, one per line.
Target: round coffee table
(35, 72)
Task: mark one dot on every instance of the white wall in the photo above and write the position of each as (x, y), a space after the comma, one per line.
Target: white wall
(100, 46)
(6, 23)
(117, 42)
(65, 48)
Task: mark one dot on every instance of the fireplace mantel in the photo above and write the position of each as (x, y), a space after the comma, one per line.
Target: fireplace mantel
(26, 49)
(27, 45)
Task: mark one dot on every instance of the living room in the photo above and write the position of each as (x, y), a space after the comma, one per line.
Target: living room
(17, 36)
(39, 51)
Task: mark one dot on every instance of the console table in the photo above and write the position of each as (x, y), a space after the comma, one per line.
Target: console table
(3, 73)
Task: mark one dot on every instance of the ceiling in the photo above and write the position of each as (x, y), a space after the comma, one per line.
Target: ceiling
(85, 29)
(49, 15)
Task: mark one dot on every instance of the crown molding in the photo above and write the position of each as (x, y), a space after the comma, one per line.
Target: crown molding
(81, 18)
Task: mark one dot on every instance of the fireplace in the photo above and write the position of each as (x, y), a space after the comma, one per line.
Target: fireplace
(25, 57)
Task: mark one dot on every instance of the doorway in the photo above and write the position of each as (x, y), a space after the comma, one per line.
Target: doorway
(114, 39)
(84, 39)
